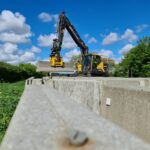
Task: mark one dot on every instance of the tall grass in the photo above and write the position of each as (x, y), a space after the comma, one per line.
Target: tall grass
(9, 96)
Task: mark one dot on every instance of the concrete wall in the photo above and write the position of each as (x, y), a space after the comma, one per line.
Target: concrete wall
(130, 108)
(129, 100)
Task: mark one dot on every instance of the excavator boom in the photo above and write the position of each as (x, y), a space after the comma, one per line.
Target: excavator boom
(64, 23)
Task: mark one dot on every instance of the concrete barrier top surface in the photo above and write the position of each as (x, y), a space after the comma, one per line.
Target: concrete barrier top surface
(128, 83)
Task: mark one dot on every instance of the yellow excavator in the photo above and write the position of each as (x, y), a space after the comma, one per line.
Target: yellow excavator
(90, 64)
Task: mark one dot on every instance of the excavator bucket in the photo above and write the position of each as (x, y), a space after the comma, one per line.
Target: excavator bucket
(44, 66)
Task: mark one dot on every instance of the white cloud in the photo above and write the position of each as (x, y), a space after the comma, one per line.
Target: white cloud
(92, 40)
(14, 38)
(104, 52)
(27, 56)
(13, 22)
(126, 48)
(13, 28)
(109, 54)
(68, 55)
(129, 35)
(8, 48)
(10, 53)
(35, 49)
(47, 41)
(141, 27)
(111, 38)
(46, 17)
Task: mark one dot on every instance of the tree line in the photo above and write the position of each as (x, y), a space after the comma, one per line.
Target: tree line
(13, 73)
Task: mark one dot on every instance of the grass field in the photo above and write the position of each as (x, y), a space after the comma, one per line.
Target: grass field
(9, 96)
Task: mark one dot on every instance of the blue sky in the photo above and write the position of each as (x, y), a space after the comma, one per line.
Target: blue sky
(108, 27)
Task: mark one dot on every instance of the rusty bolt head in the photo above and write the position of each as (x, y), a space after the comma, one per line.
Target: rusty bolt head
(77, 138)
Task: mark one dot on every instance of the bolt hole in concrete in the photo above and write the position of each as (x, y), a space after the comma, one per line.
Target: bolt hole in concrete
(76, 140)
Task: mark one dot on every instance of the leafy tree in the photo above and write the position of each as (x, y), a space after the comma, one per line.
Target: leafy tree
(137, 61)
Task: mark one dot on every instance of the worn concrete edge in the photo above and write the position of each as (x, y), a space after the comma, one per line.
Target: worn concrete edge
(130, 88)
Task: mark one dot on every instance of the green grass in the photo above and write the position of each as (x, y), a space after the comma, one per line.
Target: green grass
(9, 96)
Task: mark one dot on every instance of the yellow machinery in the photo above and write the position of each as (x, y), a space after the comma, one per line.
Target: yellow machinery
(91, 64)
(56, 61)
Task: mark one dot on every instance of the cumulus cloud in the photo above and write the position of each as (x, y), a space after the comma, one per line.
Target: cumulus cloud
(68, 55)
(47, 41)
(13, 27)
(92, 40)
(141, 27)
(113, 37)
(8, 52)
(129, 35)
(126, 48)
(8, 48)
(11, 53)
(27, 56)
(110, 38)
(104, 52)
(109, 54)
(35, 49)
(46, 17)
(14, 38)
(10, 21)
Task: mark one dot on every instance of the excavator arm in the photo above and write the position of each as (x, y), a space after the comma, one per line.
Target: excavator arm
(64, 23)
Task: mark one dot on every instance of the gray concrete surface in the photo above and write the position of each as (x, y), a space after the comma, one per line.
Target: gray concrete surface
(44, 66)
(130, 99)
(44, 117)
(130, 108)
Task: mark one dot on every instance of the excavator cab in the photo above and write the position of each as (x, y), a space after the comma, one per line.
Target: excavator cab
(91, 65)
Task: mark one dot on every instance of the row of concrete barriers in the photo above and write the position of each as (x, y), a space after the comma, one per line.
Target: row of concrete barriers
(50, 108)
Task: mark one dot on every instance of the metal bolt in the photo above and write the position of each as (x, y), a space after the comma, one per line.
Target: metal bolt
(77, 138)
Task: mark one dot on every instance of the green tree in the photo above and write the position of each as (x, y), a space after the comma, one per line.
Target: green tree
(137, 61)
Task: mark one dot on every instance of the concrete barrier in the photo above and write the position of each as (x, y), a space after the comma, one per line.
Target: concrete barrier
(54, 111)
(48, 120)
(29, 81)
(126, 102)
